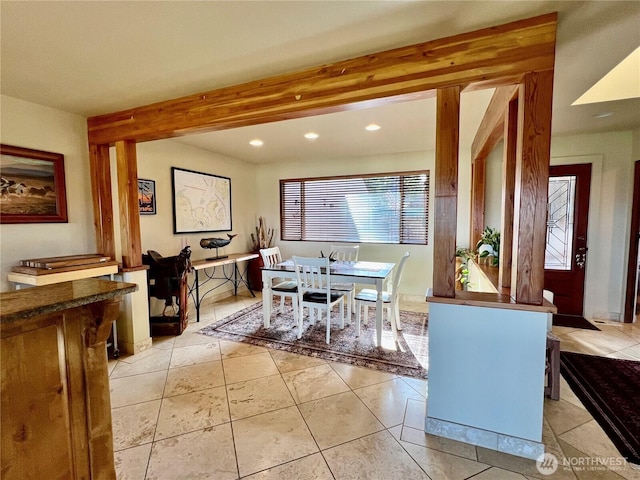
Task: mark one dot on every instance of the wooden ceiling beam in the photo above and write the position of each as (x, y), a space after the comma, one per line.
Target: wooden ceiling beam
(488, 56)
(491, 129)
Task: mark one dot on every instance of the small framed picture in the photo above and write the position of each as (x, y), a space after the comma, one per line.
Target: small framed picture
(147, 196)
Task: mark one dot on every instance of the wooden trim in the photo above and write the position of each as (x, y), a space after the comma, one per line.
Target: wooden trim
(478, 189)
(630, 294)
(128, 197)
(446, 191)
(492, 300)
(102, 200)
(508, 193)
(491, 129)
(531, 189)
(501, 53)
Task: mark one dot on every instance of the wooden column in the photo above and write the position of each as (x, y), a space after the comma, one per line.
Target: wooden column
(508, 191)
(446, 191)
(128, 196)
(478, 188)
(102, 199)
(532, 177)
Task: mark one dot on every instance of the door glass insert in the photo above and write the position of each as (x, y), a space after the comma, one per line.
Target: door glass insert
(560, 208)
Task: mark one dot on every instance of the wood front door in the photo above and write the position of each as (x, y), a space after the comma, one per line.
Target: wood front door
(566, 246)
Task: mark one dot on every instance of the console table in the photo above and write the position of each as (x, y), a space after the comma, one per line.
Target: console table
(38, 277)
(235, 276)
(55, 400)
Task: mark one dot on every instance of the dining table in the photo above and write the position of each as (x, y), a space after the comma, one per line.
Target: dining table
(359, 272)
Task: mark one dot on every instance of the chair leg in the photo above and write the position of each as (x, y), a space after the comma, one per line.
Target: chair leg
(328, 323)
(296, 317)
(281, 303)
(392, 321)
(358, 309)
(397, 315)
(349, 307)
(341, 305)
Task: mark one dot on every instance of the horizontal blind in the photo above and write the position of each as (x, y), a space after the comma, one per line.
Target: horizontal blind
(385, 208)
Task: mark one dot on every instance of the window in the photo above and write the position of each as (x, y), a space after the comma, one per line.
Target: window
(384, 208)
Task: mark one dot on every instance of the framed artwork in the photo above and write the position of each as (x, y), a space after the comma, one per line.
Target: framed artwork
(32, 187)
(201, 201)
(147, 196)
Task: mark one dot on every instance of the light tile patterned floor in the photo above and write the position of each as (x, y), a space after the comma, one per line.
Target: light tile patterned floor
(194, 407)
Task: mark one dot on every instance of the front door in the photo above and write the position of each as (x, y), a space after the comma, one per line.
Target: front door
(566, 248)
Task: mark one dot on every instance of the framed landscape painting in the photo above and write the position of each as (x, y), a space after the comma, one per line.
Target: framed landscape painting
(201, 202)
(147, 196)
(32, 186)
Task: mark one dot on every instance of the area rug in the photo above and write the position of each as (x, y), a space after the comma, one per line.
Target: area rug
(573, 321)
(610, 390)
(409, 358)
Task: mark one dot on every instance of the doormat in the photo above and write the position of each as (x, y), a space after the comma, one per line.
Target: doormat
(609, 389)
(408, 357)
(573, 321)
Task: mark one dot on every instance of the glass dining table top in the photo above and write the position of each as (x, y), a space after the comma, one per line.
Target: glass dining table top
(346, 268)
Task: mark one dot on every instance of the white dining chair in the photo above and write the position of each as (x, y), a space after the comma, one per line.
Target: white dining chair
(390, 299)
(346, 253)
(314, 290)
(280, 287)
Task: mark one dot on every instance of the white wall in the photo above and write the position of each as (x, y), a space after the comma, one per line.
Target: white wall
(418, 273)
(155, 160)
(612, 157)
(29, 125)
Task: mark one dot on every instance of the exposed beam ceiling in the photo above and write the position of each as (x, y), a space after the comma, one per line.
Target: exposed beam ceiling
(91, 58)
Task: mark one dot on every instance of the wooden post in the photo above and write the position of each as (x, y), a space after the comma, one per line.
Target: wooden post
(508, 192)
(102, 199)
(478, 188)
(531, 189)
(446, 191)
(128, 197)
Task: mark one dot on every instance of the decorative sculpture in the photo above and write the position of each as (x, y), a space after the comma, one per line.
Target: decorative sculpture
(216, 243)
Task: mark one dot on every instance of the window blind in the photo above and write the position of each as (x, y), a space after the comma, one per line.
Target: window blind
(382, 208)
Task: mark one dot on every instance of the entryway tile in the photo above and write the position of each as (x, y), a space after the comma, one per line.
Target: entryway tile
(257, 396)
(313, 383)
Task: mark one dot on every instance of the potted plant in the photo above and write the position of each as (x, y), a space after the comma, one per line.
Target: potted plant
(462, 267)
(488, 247)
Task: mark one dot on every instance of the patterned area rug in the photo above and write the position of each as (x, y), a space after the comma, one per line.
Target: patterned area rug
(409, 358)
(610, 390)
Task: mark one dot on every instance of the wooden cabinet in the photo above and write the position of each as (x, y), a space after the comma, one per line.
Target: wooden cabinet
(55, 400)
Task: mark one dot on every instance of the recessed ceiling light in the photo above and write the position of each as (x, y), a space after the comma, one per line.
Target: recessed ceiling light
(256, 142)
(311, 136)
(372, 127)
(603, 115)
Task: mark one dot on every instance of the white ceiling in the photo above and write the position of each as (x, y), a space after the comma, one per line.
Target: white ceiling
(91, 58)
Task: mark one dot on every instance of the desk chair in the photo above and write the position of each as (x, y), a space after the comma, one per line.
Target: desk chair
(390, 299)
(346, 253)
(271, 256)
(314, 290)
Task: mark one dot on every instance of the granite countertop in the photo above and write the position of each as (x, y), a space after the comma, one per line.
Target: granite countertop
(29, 302)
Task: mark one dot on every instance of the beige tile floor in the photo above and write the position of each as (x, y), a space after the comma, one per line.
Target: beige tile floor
(195, 407)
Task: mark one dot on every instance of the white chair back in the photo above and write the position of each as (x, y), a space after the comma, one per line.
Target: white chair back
(395, 284)
(313, 275)
(270, 256)
(345, 252)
